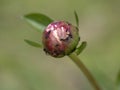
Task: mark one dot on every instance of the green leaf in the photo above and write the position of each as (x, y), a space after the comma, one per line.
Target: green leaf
(39, 21)
(32, 43)
(118, 81)
(81, 47)
(76, 18)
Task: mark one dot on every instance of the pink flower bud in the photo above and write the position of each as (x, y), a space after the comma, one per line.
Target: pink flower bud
(60, 38)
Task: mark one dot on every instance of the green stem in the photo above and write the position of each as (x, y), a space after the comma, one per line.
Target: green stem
(89, 76)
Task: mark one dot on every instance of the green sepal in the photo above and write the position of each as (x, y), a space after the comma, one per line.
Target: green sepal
(76, 18)
(32, 43)
(81, 47)
(38, 20)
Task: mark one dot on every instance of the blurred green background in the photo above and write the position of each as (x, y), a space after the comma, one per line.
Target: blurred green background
(23, 67)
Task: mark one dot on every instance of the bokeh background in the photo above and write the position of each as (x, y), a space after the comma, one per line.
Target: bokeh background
(23, 67)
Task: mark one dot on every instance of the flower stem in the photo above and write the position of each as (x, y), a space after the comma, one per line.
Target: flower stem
(86, 72)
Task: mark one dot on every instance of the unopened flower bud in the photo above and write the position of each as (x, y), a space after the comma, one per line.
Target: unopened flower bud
(60, 38)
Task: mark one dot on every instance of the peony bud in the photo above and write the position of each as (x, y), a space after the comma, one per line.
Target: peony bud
(60, 38)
